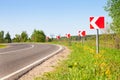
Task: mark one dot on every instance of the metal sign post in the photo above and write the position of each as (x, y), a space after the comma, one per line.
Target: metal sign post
(97, 41)
(69, 39)
(69, 42)
(82, 34)
(82, 41)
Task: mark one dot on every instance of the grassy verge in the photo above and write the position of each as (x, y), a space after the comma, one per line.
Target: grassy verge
(85, 64)
(3, 45)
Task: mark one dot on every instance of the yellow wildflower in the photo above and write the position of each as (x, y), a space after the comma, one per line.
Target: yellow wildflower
(107, 72)
(98, 56)
(86, 48)
(103, 64)
(92, 51)
(75, 64)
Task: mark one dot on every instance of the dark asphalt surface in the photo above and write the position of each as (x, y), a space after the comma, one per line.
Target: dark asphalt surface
(17, 56)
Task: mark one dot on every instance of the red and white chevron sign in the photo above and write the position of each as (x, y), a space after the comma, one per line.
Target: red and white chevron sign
(81, 33)
(68, 35)
(58, 37)
(97, 22)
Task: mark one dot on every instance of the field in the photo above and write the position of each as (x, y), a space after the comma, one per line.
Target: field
(84, 64)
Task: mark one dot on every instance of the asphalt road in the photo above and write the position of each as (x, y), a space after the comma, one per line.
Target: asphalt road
(18, 57)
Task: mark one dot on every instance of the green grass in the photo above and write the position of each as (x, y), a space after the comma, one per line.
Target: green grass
(84, 64)
(3, 45)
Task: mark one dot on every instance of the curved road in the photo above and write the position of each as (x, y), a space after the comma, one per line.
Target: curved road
(19, 57)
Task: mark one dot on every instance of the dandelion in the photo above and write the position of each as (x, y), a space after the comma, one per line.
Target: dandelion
(102, 67)
(86, 48)
(107, 72)
(92, 51)
(75, 64)
(98, 56)
(96, 63)
(103, 64)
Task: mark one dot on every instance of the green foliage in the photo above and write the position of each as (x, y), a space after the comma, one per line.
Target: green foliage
(16, 38)
(84, 64)
(24, 36)
(1, 36)
(113, 7)
(50, 40)
(8, 38)
(38, 36)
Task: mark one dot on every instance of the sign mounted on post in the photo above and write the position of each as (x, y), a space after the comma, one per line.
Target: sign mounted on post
(69, 38)
(97, 23)
(82, 34)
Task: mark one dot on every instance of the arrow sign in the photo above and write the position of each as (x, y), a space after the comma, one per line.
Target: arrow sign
(58, 37)
(47, 38)
(82, 33)
(68, 35)
(97, 22)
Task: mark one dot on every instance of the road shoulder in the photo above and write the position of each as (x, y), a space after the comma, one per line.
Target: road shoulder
(46, 66)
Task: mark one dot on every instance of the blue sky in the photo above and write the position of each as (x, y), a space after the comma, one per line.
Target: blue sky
(51, 16)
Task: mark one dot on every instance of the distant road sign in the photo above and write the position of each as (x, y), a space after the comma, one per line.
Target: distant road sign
(82, 33)
(58, 37)
(68, 35)
(97, 22)
(47, 37)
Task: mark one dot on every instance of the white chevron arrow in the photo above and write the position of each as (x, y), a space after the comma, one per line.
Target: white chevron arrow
(93, 22)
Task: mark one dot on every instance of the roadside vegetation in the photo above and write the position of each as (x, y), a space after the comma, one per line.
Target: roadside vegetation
(3, 45)
(84, 64)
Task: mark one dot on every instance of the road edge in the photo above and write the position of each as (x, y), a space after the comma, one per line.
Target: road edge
(15, 75)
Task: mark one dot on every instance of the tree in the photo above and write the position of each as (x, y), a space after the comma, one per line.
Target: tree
(1, 36)
(16, 38)
(8, 38)
(24, 36)
(38, 36)
(113, 7)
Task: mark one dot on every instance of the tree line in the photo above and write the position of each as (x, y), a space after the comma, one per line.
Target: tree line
(37, 36)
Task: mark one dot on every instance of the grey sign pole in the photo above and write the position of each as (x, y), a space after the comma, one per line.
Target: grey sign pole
(97, 41)
(82, 40)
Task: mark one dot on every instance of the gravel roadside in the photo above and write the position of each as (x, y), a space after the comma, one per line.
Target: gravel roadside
(46, 66)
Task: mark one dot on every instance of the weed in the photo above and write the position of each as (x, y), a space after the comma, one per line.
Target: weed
(85, 64)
